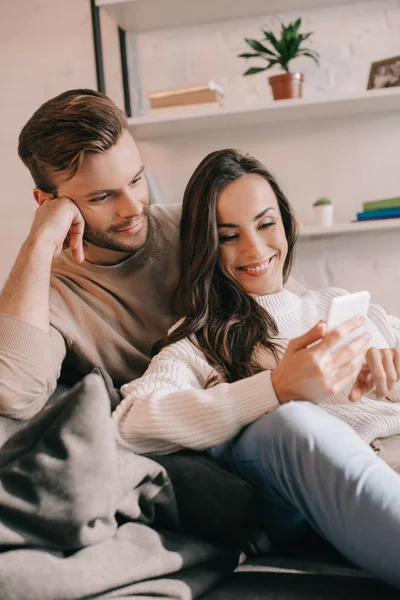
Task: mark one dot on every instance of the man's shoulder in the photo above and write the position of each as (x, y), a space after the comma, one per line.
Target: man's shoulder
(167, 214)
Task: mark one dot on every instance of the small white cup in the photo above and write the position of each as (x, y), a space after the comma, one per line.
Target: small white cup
(323, 215)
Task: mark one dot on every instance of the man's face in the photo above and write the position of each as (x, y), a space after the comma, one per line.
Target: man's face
(111, 192)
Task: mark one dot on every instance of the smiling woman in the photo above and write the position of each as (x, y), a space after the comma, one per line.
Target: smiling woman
(238, 233)
(241, 373)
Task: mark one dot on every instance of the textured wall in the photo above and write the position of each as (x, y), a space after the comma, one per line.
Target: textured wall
(45, 48)
(351, 160)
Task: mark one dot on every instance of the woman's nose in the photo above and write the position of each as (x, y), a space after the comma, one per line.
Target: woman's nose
(252, 248)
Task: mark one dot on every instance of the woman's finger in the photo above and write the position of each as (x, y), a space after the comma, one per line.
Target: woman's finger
(363, 384)
(345, 373)
(356, 348)
(340, 333)
(396, 362)
(374, 362)
(389, 368)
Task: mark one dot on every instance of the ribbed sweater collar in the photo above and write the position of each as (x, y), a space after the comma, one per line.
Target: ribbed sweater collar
(281, 303)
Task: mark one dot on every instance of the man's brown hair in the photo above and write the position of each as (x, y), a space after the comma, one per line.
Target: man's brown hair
(64, 130)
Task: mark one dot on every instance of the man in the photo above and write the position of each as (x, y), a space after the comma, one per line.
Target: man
(110, 289)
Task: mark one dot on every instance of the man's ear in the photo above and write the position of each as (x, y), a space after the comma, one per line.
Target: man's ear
(40, 196)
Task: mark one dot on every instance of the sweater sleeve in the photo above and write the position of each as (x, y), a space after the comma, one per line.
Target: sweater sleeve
(169, 408)
(30, 363)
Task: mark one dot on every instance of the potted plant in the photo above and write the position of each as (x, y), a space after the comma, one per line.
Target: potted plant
(281, 51)
(323, 212)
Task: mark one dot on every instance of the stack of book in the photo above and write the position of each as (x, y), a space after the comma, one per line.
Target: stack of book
(380, 209)
(207, 93)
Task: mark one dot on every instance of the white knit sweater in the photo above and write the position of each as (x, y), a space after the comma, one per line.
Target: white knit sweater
(169, 408)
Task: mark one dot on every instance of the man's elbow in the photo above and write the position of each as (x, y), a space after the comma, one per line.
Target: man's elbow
(21, 403)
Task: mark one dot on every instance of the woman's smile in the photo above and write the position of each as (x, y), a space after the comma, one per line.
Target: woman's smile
(260, 268)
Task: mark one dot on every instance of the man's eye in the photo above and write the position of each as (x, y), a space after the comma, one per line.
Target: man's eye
(100, 198)
(135, 180)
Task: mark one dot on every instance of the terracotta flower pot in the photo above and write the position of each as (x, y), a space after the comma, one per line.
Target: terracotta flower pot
(288, 85)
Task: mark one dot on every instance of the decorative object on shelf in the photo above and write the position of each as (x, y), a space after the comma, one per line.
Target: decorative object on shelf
(383, 213)
(323, 212)
(388, 208)
(379, 204)
(384, 73)
(280, 51)
(200, 93)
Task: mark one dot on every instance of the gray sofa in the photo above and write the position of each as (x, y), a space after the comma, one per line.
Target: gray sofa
(83, 518)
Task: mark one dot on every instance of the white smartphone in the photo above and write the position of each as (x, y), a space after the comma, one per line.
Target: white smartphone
(345, 307)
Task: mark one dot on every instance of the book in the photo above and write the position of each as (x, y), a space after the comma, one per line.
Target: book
(384, 213)
(201, 93)
(379, 204)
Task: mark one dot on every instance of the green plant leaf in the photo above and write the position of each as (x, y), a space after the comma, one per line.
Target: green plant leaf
(285, 47)
(255, 70)
(296, 26)
(257, 46)
(249, 55)
(312, 55)
(272, 40)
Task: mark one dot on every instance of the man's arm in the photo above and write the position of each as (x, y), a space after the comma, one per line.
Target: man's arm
(31, 352)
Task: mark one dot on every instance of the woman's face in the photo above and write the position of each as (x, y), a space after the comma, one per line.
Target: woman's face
(253, 245)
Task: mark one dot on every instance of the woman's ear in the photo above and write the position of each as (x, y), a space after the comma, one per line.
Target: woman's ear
(40, 196)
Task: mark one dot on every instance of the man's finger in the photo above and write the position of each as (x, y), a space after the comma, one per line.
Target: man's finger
(76, 238)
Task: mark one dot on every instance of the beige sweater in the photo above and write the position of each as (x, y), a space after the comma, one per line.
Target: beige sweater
(169, 408)
(108, 317)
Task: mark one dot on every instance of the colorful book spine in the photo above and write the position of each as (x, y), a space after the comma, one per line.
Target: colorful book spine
(380, 204)
(385, 213)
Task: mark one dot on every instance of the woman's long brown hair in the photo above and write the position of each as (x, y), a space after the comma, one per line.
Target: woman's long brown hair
(220, 317)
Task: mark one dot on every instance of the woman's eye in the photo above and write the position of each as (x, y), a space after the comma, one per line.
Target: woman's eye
(135, 181)
(227, 238)
(267, 225)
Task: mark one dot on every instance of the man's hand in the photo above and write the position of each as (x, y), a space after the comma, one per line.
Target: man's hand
(381, 371)
(59, 224)
(312, 370)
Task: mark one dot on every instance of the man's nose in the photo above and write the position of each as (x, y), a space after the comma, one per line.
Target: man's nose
(129, 205)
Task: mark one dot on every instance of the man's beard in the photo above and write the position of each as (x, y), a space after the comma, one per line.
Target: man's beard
(111, 241)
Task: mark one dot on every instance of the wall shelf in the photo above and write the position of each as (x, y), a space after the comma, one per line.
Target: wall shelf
(311, 231)
(145, 15)
(178, 122)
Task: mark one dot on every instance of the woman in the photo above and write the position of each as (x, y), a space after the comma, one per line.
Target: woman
(240, 375)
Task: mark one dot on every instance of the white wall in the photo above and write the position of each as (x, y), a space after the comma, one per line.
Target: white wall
(46, 47)
(350, 160)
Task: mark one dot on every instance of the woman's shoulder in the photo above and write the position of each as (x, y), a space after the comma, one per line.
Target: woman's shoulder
(185, 349)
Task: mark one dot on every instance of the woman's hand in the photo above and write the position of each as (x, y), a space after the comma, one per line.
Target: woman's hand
(313, 371)
(381, 371)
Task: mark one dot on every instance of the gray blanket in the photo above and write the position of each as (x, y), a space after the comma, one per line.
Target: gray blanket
(81, 517)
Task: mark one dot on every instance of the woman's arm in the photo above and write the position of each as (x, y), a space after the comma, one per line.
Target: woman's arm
(170, 408)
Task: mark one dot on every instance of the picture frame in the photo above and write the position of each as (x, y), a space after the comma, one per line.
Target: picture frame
(384, 74)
